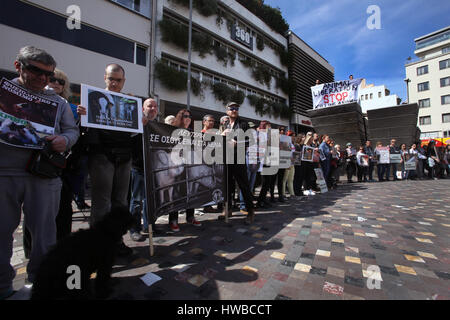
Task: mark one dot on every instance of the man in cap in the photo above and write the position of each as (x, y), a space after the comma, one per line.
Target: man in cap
(237, 172)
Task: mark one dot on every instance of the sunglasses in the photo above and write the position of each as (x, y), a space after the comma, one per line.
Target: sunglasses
(187, 116)
(60, 81)
(114, 79)
(37, 71)
(233, 108)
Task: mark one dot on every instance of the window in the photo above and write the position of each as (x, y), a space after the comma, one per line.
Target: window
(371, 96)
(445, 82)
(379, 94)
(141, 6)
(423, 86)
(141, 55)
(446, 50)
(446, 118)
(367, 96)
(424, 103)
(422, 70)
(362, 97)
(447, 134)
(444, 64)
(424, 120)
(445, 99)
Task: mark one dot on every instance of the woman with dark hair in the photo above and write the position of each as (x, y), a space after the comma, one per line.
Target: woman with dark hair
(433, 160)
(183, 119)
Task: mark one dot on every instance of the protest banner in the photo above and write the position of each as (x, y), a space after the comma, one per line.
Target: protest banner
(111, 110)
(383, 155)
(335, 93)
(307, 153)
(26, 118)
(395, 158)
(178, 175)
(320, 179)
(297, 158)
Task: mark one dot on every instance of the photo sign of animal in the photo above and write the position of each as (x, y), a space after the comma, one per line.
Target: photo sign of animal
(111, 110)
(26, 118)
(178, 175)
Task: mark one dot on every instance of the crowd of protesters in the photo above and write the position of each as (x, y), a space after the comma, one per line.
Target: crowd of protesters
(114, 162)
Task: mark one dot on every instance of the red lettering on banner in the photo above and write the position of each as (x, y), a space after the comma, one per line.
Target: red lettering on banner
(345, 95)
(339, 97)
(325, 99)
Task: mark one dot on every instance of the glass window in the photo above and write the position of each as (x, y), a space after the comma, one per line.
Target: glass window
(446, 117)
(425, 120)
(445, 82)
(141, 6)
(423, 86)
(362, 97)
(424, 103)
(379, 94)
(371, 96)
(422, 70)
(141, 55)
(446, 134)
(444, 64)
(446, 50)
(367, 96)
(445, 99)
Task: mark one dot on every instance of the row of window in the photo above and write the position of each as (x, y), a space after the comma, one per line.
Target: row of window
(213, 79)
(426, 120)
(369, 96)
(140, 6)
(425, 103)
(444, 64)
(424, 86)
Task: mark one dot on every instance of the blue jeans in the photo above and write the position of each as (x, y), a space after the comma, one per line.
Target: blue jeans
(138, 200)
(251, 181)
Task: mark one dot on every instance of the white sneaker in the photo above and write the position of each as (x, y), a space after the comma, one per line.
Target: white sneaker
(306, 193)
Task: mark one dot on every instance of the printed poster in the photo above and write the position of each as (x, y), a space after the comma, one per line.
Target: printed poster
(383, 155)
(25, 118)
(111, 110)
(285, 151)
(307, 154)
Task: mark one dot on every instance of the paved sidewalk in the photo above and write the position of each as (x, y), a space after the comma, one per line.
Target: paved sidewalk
(328, 246)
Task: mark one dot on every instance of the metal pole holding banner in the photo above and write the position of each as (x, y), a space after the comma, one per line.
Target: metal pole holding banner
(188, 104)
(150, 228)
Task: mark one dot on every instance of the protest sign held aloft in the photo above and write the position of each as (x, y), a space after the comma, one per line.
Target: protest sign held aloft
(111, 110)
(335, 93)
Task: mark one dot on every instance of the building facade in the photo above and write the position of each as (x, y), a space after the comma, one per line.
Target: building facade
(376, 97)
(428, 82)
(306, 67)
(110, 32)
(234, 58)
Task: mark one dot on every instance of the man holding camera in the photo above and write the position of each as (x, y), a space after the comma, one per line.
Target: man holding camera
(38, 196)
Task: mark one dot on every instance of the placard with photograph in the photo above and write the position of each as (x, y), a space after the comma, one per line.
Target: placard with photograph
(25, 118)
(383, 155)
(307, 153)
(111, 110)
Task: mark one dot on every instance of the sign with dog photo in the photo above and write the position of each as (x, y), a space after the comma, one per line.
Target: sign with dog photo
(111, 110)
(178, 175)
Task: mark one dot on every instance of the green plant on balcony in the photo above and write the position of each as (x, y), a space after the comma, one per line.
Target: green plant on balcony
(285, 111)
(174, 32)
(260, 43)
(221, 54)
(176, 80)
(286, 85)
(285, 56)
(224, 93)
(261, 73)
(259, 103)
(202, 43)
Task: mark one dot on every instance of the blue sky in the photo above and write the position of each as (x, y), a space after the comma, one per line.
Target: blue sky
(337, 30)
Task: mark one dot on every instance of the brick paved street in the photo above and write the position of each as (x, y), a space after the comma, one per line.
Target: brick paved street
(321, 247)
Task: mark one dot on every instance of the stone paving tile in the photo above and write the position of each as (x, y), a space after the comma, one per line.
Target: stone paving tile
(314, 250)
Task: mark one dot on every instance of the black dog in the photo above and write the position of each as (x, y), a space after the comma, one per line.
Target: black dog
(91, 250)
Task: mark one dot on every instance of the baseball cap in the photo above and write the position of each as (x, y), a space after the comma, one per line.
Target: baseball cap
(232, 104)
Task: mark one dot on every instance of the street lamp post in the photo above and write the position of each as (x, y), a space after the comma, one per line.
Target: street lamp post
(188, 104)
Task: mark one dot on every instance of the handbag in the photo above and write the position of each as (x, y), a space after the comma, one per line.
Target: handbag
(46, 163)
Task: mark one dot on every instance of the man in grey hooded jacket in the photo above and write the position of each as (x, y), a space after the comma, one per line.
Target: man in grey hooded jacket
(38, 197)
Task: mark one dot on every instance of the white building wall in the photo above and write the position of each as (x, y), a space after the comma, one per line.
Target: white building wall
(81, 65)
(376, 102)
